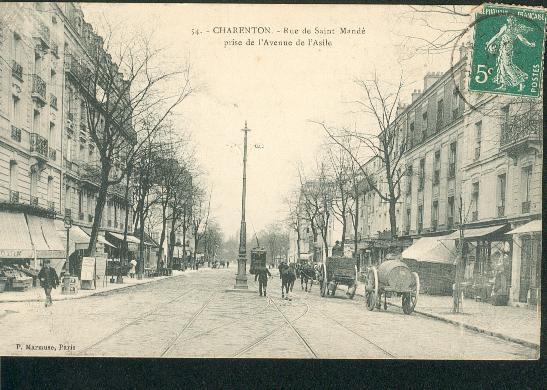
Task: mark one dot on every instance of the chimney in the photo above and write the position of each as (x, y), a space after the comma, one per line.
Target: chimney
(416, 94)
(430, 79)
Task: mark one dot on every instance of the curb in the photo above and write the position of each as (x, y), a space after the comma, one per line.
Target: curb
(476, 329)
(99, 293)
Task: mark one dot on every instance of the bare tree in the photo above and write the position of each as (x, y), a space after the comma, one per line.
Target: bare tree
(200, 217)
(388, 144)
(125, 102)
(293, 220)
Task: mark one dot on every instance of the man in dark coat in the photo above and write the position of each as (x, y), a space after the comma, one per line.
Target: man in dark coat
(48, 279)
(262, 274)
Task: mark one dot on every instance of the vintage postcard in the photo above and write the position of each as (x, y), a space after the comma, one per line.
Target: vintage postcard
(271, 181)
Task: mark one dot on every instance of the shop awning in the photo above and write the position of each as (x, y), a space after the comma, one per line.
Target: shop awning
(431, 250)
(14, 236)
(530, 227)
(78, 239)
(45, 239)
(130, 238)
(474, 232)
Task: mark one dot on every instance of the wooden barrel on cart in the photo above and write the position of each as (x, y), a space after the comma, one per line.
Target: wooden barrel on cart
(395, 274)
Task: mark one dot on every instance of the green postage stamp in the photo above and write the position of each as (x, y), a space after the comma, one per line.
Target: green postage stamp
(508, 51)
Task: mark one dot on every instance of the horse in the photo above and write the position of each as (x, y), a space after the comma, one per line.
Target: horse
(288, 276)
(307, 274)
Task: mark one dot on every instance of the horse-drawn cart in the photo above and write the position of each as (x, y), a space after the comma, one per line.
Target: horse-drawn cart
(338, 271)
(392, 278)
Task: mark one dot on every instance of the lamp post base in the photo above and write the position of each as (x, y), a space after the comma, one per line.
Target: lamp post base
(241, 282)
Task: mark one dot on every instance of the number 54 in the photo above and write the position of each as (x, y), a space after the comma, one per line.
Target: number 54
(482, 74)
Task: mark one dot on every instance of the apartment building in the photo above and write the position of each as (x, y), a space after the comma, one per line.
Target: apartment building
(474, 158)
(46, 152)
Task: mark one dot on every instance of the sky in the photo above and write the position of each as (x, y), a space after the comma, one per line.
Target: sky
(277, 90)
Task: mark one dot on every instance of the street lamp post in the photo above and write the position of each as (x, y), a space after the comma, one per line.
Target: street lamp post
(241, 278)
(66, 283)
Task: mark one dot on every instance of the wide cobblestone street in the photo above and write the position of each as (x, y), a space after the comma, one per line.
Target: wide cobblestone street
(193, 315)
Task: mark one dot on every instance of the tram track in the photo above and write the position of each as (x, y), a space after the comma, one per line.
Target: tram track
(288, 322)
(143, 316)
(359, 335)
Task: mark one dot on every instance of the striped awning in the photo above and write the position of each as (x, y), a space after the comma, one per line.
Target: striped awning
(45, 239)
(15, 240)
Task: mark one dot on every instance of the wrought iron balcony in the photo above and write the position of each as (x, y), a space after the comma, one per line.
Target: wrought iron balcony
(475, 216)
(71, 167)
(526, 207)
(51, 206)
(436, 177)
(521, 133)
(38, 146)
(34, 201)
(17, 70)
(53, 100)
(14, 196)
(52, 154)
(501, 211)
(91, 173)
(15, 133)
(38, 88)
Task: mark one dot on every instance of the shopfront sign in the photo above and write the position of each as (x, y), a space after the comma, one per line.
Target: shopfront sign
(16, 254)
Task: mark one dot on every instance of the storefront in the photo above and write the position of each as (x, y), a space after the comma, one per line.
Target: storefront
(433, 259)
(486, 261)
(26, 240)
(527, 254)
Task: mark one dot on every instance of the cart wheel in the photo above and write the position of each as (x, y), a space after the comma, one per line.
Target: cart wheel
(410, 299)
(371, 289)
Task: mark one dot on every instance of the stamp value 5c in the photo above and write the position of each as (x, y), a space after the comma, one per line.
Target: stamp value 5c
(508, 51)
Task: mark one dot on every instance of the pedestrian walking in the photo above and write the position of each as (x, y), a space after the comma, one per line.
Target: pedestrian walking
(227, 264)
(48, 279)
(132, 269)
(262, 275)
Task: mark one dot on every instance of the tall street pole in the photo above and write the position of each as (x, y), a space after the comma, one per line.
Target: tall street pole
(241, 278)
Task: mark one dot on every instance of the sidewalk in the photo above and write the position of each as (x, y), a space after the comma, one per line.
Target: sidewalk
(516, 324)
(36, 294)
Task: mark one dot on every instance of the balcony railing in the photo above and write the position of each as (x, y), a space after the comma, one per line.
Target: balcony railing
(51, 206)
(17, 70)
(38, 88)
(525, 207)
(52, 154)
(501, 211)
(15, 133)
(475, 216)
(34, 201)
(38, 146)
(523, 130)
(81, 216)
(71, 167)
(14, 196)
(53, 100)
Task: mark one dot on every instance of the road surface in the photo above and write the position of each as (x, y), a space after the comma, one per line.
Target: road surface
(193, 315)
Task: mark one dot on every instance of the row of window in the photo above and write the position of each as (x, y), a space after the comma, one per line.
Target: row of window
(526, 181)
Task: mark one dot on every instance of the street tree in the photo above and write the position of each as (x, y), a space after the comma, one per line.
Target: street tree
(294, 217)
(201, 205)
(388, 143)
(126, 102)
